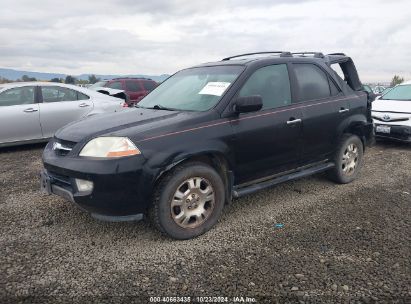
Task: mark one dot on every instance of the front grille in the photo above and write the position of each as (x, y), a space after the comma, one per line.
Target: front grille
(391, 119)
(63, 147)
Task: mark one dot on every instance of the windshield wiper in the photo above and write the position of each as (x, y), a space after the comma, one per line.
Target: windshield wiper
(160, 107)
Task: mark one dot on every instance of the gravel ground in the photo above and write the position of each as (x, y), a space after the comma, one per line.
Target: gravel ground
(338, 243)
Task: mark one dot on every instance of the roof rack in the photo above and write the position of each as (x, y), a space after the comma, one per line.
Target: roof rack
(315, 54)
(338, 54)
(282, 54)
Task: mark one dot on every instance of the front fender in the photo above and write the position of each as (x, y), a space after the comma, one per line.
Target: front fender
(161, 162)
(167, 159)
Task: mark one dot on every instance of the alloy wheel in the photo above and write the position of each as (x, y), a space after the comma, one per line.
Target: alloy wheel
(193, 202)
(350, 159)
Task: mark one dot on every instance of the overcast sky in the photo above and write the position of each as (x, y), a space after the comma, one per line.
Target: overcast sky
(163, 36)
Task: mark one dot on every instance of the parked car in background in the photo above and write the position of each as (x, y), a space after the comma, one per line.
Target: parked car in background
(115, 93)
(213, 132)
(392, 113)
(34, 111)
(136, 88)
(378, 89)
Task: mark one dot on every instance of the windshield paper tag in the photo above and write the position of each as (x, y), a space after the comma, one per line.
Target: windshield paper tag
(215, 88)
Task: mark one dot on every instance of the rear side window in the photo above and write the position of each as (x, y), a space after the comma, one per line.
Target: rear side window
(133, 86)
(149, 85)
(81, 96)
(17, 96)
(272, 84)
(313, 83)
(115, 85)
(56, 94)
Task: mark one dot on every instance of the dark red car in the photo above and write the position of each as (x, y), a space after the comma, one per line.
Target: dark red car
(136, 88)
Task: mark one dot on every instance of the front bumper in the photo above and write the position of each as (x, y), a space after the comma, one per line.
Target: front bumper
(396, 132)
(121, 188)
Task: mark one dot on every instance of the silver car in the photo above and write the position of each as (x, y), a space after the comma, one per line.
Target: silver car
(33, 111)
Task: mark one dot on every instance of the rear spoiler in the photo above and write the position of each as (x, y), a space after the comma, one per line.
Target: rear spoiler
(114, 93)
(348, 67)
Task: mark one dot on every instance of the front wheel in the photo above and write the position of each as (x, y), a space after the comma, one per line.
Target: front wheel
(188, 201)
(348, 159)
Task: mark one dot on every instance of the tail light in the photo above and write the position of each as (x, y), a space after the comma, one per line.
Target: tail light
(125, 105)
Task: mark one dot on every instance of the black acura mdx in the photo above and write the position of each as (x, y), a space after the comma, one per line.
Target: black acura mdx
(211, 133)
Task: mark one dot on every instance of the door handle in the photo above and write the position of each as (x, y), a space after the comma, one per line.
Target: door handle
(30, 110)
(83, 105)
(343, 110)
(293, 121)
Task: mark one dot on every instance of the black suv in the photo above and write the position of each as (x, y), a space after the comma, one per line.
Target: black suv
(211, 133)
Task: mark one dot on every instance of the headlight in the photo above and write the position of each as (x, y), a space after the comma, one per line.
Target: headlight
(109, 147)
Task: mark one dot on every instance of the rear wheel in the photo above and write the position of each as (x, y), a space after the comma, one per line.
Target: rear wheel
(188, 201)
(348, 159)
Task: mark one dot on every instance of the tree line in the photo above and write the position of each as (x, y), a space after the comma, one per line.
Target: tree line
(69, 79)
(396, 80)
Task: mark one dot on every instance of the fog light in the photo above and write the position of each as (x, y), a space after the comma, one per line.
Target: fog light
(84, 185)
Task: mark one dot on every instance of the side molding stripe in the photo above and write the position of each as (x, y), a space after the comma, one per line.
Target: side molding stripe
(244, 118)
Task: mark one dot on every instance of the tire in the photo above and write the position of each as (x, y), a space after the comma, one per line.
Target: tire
(348, 159)
(188, 201)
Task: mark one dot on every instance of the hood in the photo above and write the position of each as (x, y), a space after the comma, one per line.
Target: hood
(399, 106)
(131, 123)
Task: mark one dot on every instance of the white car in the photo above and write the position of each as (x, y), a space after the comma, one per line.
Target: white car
(392, 113)
(33, 111)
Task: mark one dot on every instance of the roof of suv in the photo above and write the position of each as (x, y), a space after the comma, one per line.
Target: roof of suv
(245, 59)
(129, 78)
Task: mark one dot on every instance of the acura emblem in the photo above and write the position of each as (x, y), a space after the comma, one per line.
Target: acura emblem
(386, 117)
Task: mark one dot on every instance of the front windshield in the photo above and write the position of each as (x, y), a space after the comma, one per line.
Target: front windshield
(401, 92)
(386, 91)
(98, 84)
(196, 89)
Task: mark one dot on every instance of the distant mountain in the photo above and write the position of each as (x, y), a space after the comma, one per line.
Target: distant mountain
(15, 74)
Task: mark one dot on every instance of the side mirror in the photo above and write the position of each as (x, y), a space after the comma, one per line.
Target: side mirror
(248, 104)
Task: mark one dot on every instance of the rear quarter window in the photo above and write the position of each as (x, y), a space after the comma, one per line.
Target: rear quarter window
(81, 96)
(57, 94)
